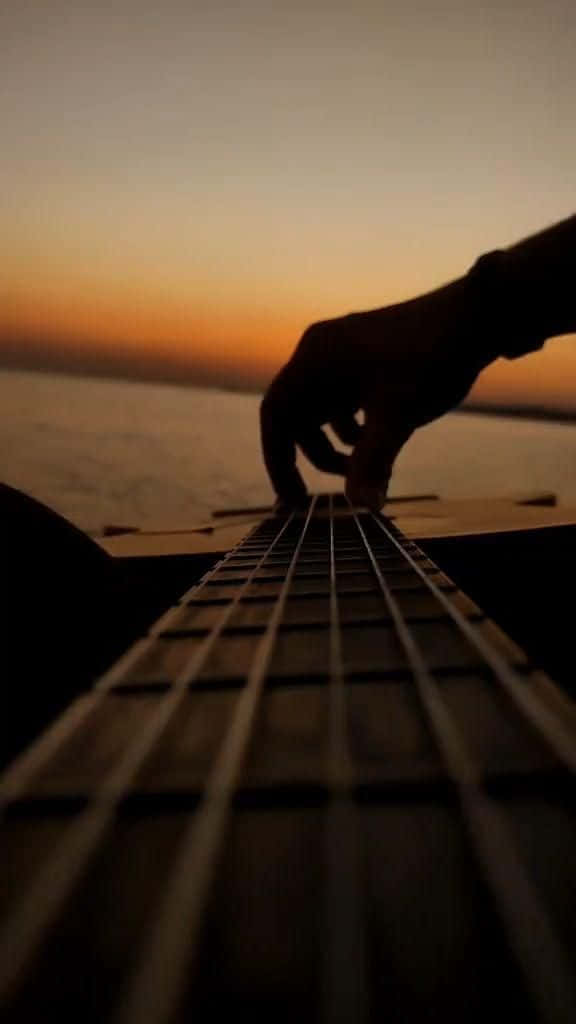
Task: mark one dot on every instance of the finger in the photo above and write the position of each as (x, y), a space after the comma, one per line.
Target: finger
(347, 428)
(322, 453)
(372, 460)
(279, 448)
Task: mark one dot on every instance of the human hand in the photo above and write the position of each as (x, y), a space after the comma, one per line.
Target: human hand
(403, 365)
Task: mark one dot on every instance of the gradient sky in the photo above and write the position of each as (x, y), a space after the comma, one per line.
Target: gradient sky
(185, 185)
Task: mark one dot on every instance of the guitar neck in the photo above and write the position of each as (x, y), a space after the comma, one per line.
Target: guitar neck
(322, 786)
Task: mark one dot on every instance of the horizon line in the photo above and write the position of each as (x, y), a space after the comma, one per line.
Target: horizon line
(209, 382)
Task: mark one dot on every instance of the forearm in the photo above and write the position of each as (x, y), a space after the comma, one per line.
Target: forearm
(528, 291)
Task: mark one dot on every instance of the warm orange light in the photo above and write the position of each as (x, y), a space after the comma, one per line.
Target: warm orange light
(547, 377)
(224, 339)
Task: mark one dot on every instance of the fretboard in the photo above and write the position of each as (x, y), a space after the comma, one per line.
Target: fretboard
(322, 788)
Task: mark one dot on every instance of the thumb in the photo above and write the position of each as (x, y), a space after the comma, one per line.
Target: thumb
(373, 458)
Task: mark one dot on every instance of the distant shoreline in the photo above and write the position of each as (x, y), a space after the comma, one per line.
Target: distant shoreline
(534, 413)
(209, 381)
(518, 412)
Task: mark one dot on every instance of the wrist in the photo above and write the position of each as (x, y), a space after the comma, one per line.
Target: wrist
(525, 294)
(501, 310)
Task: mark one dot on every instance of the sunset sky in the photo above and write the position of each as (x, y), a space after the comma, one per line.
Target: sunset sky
(186, 185)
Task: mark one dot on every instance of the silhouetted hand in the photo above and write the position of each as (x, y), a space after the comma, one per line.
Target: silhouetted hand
(403, 365)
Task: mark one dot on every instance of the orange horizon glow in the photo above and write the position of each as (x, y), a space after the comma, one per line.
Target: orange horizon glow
(247, 329)
(113, 328)
(227, 343)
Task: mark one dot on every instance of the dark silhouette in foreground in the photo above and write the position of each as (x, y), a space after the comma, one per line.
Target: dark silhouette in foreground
(69, 611)
(407, 364)
(64, 606)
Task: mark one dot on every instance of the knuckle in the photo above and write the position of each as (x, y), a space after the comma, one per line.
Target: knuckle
(265, 409)
(268, 407)
(279, 395)
(313, 337)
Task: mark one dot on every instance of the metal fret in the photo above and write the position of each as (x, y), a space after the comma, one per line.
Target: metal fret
(23, 769)
(548, 724)
(160, 976)
(322, 785)
(530, 932)
(21, 934)
(345, 976)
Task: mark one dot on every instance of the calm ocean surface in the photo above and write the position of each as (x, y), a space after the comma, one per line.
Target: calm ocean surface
(104, 451)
